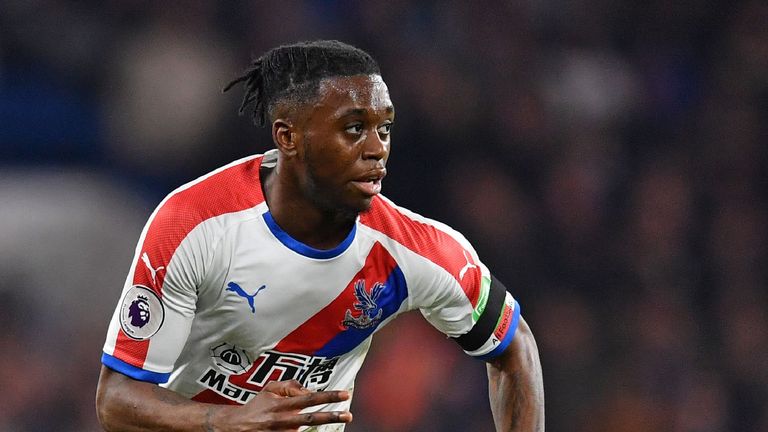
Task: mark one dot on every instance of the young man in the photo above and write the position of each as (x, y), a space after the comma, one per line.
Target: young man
(256, 289)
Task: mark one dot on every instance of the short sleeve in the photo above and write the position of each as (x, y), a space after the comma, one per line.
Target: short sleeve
(447, 281)
(471, 306)
(154, 315)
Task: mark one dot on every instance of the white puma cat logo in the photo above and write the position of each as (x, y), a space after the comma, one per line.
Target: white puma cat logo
(466, 267)
(153, 271)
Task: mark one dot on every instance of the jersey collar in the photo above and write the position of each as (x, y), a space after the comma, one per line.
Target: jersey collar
(303, 249)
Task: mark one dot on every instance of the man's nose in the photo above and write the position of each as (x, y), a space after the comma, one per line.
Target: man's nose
(375, 147)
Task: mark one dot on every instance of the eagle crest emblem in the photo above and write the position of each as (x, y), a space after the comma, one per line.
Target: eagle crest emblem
(370, 312)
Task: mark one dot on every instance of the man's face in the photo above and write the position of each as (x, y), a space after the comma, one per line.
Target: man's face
(344, 142)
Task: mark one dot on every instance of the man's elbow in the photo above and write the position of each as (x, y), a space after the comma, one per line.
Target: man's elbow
(522, 352)
(527, 347)
(106, 404)
(102, 409)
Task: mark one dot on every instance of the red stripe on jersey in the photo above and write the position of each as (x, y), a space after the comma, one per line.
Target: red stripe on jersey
(327, 323)
(428, 241)
(130, 351)
(233, 189)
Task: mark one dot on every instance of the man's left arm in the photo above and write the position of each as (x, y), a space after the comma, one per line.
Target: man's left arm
(516, 386)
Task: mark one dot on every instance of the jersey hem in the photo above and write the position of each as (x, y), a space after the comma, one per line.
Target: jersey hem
(139, 374)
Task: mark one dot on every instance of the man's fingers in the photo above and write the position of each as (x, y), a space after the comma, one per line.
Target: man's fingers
(312, 419)
(297, 397)
(286, 388)
(318, 398)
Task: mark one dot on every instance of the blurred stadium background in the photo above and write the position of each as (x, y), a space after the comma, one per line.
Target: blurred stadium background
(607, 159)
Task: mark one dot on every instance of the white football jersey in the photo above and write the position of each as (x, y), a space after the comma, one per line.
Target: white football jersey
(220, 300)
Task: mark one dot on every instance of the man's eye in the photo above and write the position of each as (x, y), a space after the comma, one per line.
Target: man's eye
(385, 129)
(355, 129)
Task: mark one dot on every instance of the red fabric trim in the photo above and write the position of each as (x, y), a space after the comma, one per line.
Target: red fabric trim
(428, 241)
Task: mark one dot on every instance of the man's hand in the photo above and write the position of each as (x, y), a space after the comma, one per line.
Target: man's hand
(277, 408)
(126, 405)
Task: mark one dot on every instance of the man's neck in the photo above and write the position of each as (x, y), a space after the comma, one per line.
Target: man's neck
(301, 218)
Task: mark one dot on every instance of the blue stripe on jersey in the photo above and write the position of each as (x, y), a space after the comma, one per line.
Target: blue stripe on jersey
(301, 248)
(507, 338)
(132, 371)
(393, 296)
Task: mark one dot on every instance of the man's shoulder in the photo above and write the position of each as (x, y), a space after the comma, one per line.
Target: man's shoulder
(384, 211)
(230, 188)
(425, 237)
(406, 226)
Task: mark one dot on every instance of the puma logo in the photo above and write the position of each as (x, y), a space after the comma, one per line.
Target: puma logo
(152, 271)
(464, 269)
(235, 288)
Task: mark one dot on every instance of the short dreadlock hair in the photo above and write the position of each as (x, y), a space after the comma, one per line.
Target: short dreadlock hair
(293, 73)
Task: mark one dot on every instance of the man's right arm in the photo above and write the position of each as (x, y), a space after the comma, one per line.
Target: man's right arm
(125, 404)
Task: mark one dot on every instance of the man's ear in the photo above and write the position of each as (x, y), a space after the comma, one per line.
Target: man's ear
(284, 136)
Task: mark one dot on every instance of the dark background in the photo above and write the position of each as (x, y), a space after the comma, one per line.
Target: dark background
(607, 160)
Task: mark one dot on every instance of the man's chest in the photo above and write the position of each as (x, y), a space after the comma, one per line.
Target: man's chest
(266, 296)
(266, 314)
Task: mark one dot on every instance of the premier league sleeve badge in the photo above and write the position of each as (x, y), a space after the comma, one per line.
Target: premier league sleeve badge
(141, 313)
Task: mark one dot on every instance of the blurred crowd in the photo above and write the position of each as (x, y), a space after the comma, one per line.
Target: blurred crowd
(606, 159)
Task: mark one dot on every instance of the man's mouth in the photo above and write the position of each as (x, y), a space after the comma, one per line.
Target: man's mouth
(370, 184)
